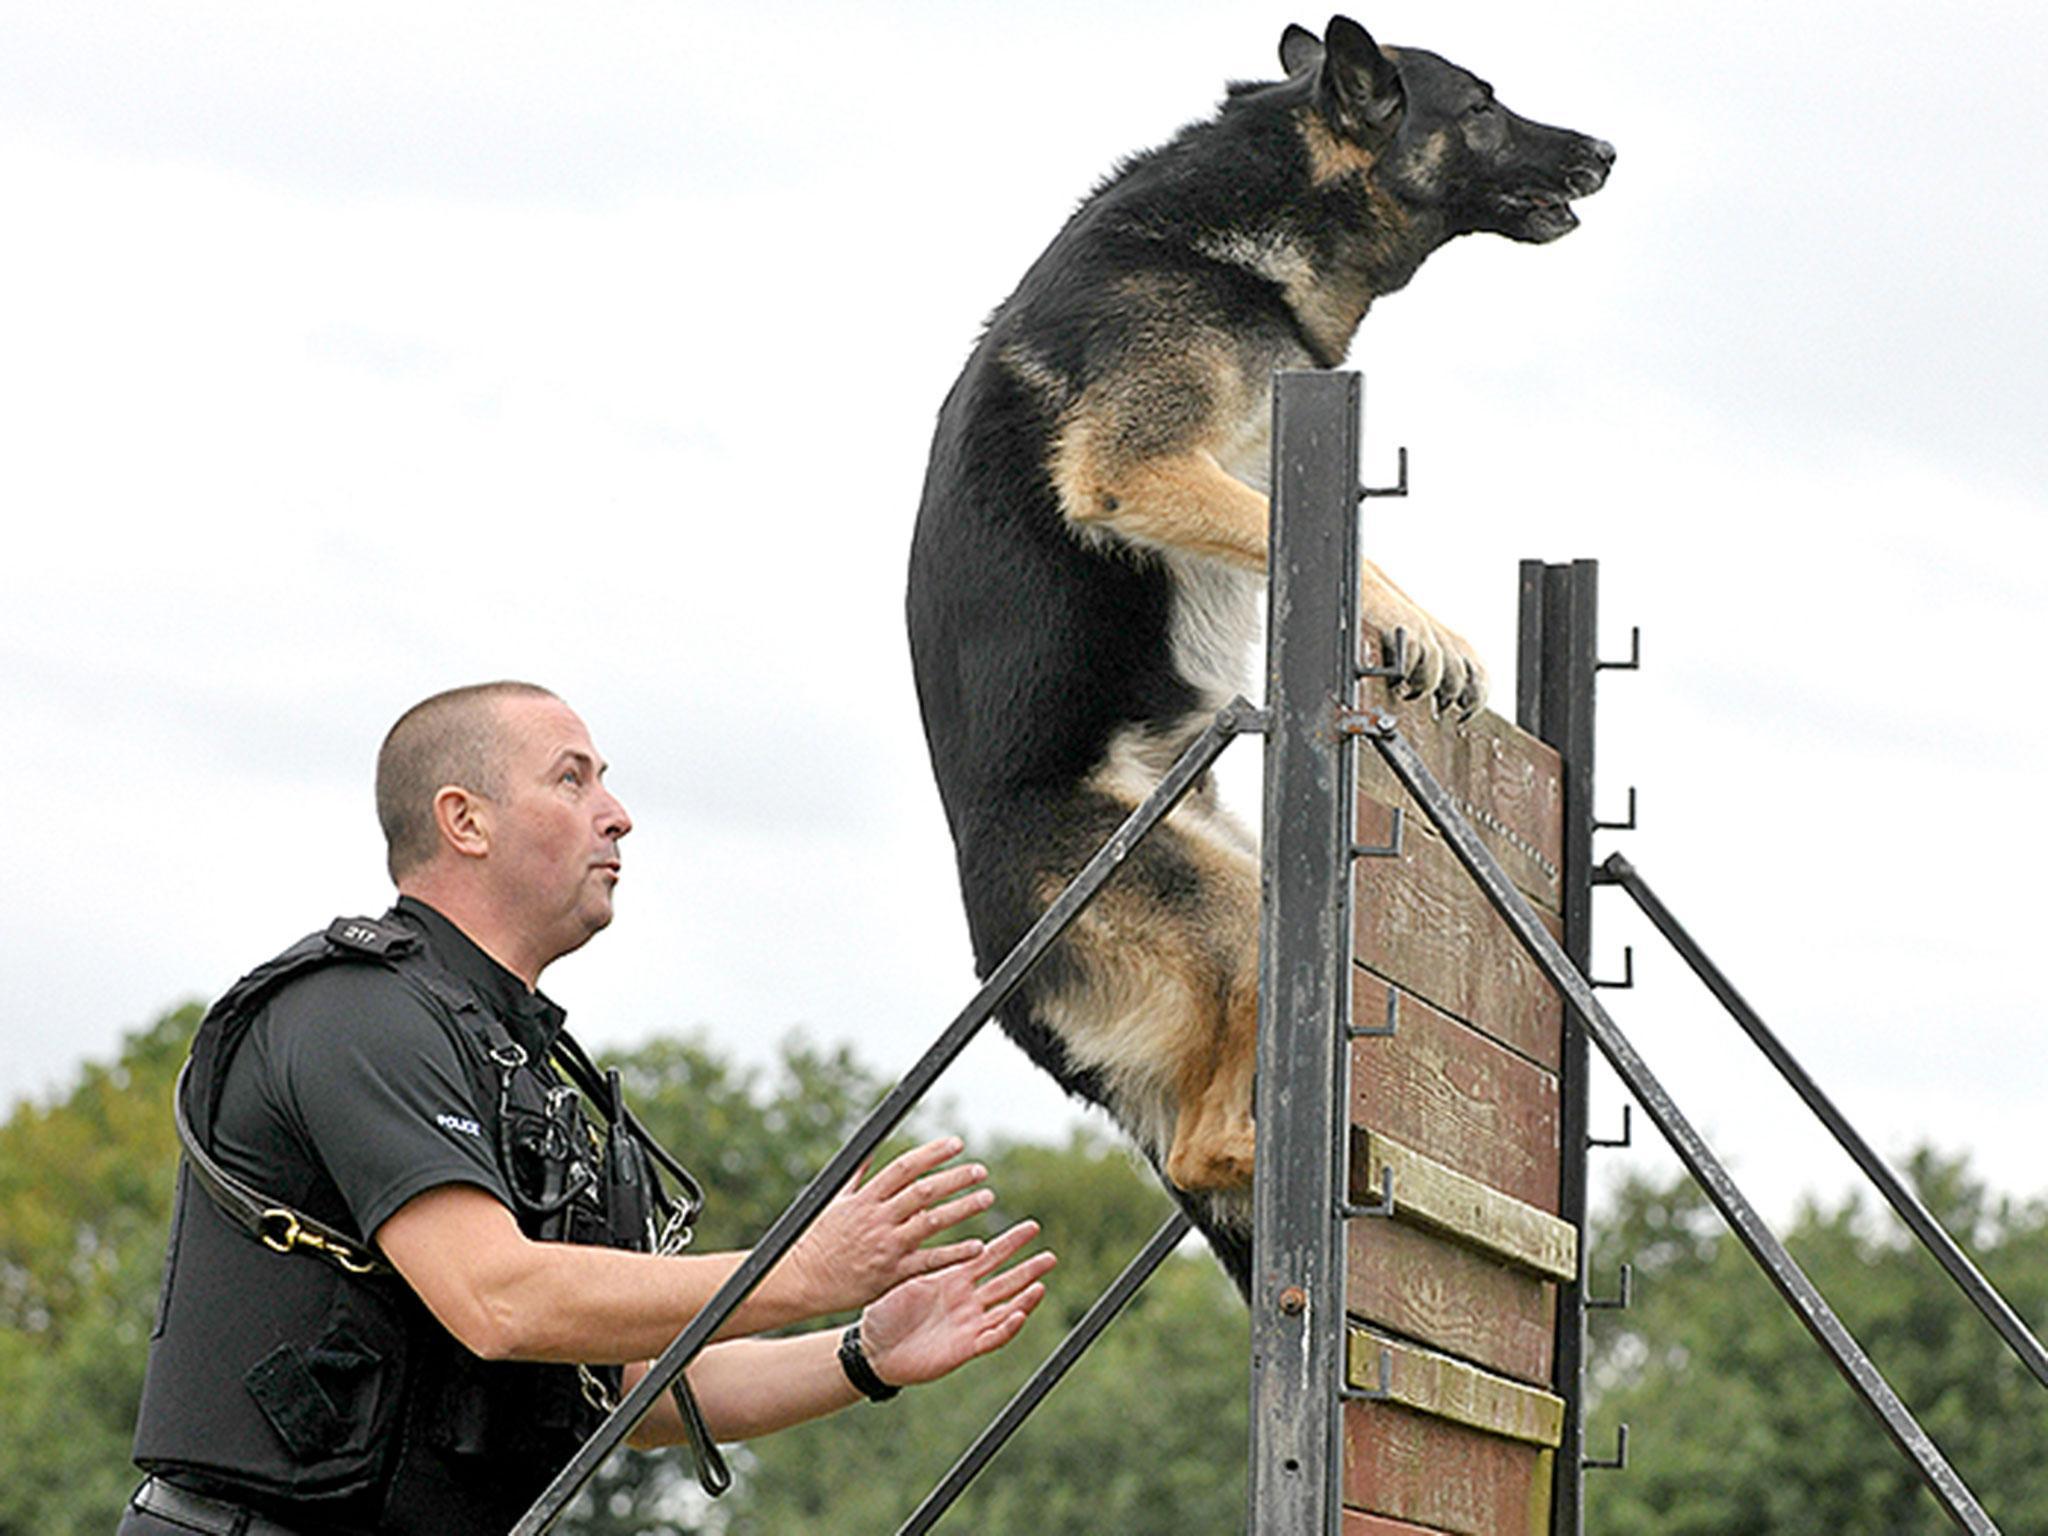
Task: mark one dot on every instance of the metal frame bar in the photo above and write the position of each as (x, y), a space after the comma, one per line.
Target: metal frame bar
(1555, 693)
(1778, 1265)
(1297, 1291)
(1047, 1376)
(1233, 720)
(1617, 870)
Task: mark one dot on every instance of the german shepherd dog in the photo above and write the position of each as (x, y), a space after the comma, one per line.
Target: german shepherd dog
(1089, 555)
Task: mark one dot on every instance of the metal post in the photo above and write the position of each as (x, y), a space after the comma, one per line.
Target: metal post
(1554, 699)
(1297, 1296)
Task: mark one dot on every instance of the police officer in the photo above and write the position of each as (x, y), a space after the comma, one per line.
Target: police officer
(401, 1282)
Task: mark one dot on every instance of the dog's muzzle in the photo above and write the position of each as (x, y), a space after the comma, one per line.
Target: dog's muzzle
(1585, 179)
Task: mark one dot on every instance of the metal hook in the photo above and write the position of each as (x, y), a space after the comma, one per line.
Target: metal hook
(1618, 1462)
(1379, 1394)
(1378, 1031)
(1400, 485)
(1626, 1138)
(1383, 1206)
(1620, 1301)
(1628, 971)
(1620, 826)
(1393, 671)
(1391, 849)
(1635, 655)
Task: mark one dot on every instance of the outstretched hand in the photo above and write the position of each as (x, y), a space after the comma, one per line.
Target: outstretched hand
(872, 1236)
(936, 1323)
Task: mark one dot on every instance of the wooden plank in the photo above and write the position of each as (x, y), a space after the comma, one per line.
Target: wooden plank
(1416, 1283)
(1426, 1193)
(1435, 1384)
(1357, 1524)
(1508, 784)
(1450, 1093)
(1409, 1466)
(1420, 922)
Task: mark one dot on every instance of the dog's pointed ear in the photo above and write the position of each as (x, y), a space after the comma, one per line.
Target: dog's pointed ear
(1300, 50)
(1358, 85)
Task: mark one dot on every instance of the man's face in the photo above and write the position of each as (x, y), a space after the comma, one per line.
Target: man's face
(555, 828)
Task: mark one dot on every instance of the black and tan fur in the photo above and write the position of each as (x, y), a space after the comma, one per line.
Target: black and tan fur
(1091, 548)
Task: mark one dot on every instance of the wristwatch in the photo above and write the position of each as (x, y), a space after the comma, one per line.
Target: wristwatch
(854, 1361)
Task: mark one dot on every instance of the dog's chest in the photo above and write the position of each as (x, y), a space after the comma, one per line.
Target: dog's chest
(1215, 623)
(1214, 626)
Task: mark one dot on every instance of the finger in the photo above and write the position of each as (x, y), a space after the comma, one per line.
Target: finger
(937, 1219)
(906, 1169)
(1000, 1330)
(1007, 1245)
(1009, 1283)
(929, 1191)
(858, 1174)
(931, 1260)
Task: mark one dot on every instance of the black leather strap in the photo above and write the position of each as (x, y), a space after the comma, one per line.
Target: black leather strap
(272, 1224)
(854, 1361)
(196, 1512)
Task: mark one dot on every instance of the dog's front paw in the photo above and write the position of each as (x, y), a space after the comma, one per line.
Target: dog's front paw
(1462, 689)
(1432, 662)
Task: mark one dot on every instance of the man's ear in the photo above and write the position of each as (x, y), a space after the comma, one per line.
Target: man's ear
(463, 818)
(1300, 50)
(1357, 86)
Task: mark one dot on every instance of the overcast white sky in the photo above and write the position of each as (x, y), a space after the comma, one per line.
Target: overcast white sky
(351, 352)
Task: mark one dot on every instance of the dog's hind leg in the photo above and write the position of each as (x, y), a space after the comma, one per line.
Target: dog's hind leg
(1213, 1135)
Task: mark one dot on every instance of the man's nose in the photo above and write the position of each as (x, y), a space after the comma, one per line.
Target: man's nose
(616, 822)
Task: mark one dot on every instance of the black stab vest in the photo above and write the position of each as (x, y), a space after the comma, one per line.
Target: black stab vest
(334, 1400)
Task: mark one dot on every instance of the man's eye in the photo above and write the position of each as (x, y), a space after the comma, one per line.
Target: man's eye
(573, 776)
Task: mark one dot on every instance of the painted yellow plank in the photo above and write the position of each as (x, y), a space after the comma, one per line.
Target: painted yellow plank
(1427, 1382)
(1426, 1193)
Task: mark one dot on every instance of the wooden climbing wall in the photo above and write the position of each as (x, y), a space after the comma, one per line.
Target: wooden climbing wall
(1452, 1299)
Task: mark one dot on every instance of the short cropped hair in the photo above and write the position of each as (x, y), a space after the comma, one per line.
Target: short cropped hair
(455, 738)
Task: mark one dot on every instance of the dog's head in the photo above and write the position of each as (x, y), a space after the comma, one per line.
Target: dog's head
(1435, 139)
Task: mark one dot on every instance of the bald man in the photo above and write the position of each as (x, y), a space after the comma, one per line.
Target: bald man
(401, 1282)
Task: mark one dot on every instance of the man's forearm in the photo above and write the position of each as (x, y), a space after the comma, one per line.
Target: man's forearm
(509, 1298)
(749, 1387)
(600, 1306)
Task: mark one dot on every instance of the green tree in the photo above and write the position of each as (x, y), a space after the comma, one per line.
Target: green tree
(85, 1192)
(1740, 1423)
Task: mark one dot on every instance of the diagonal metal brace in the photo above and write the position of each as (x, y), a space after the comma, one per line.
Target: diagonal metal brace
(1235, 719)
(1047, 1376)
(1918, 1219)
(1706, 1169)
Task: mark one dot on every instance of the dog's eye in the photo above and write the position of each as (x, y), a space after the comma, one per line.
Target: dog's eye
(1480, 108)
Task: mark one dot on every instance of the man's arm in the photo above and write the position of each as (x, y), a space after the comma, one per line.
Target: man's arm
(921, 1330)
(506, 1297)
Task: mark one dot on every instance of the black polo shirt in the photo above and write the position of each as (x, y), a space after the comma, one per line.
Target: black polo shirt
(350, 1095)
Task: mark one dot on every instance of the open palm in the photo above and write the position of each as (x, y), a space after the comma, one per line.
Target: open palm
(927, 1326)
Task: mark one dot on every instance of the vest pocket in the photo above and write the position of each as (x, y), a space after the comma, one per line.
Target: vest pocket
(336, 1398)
